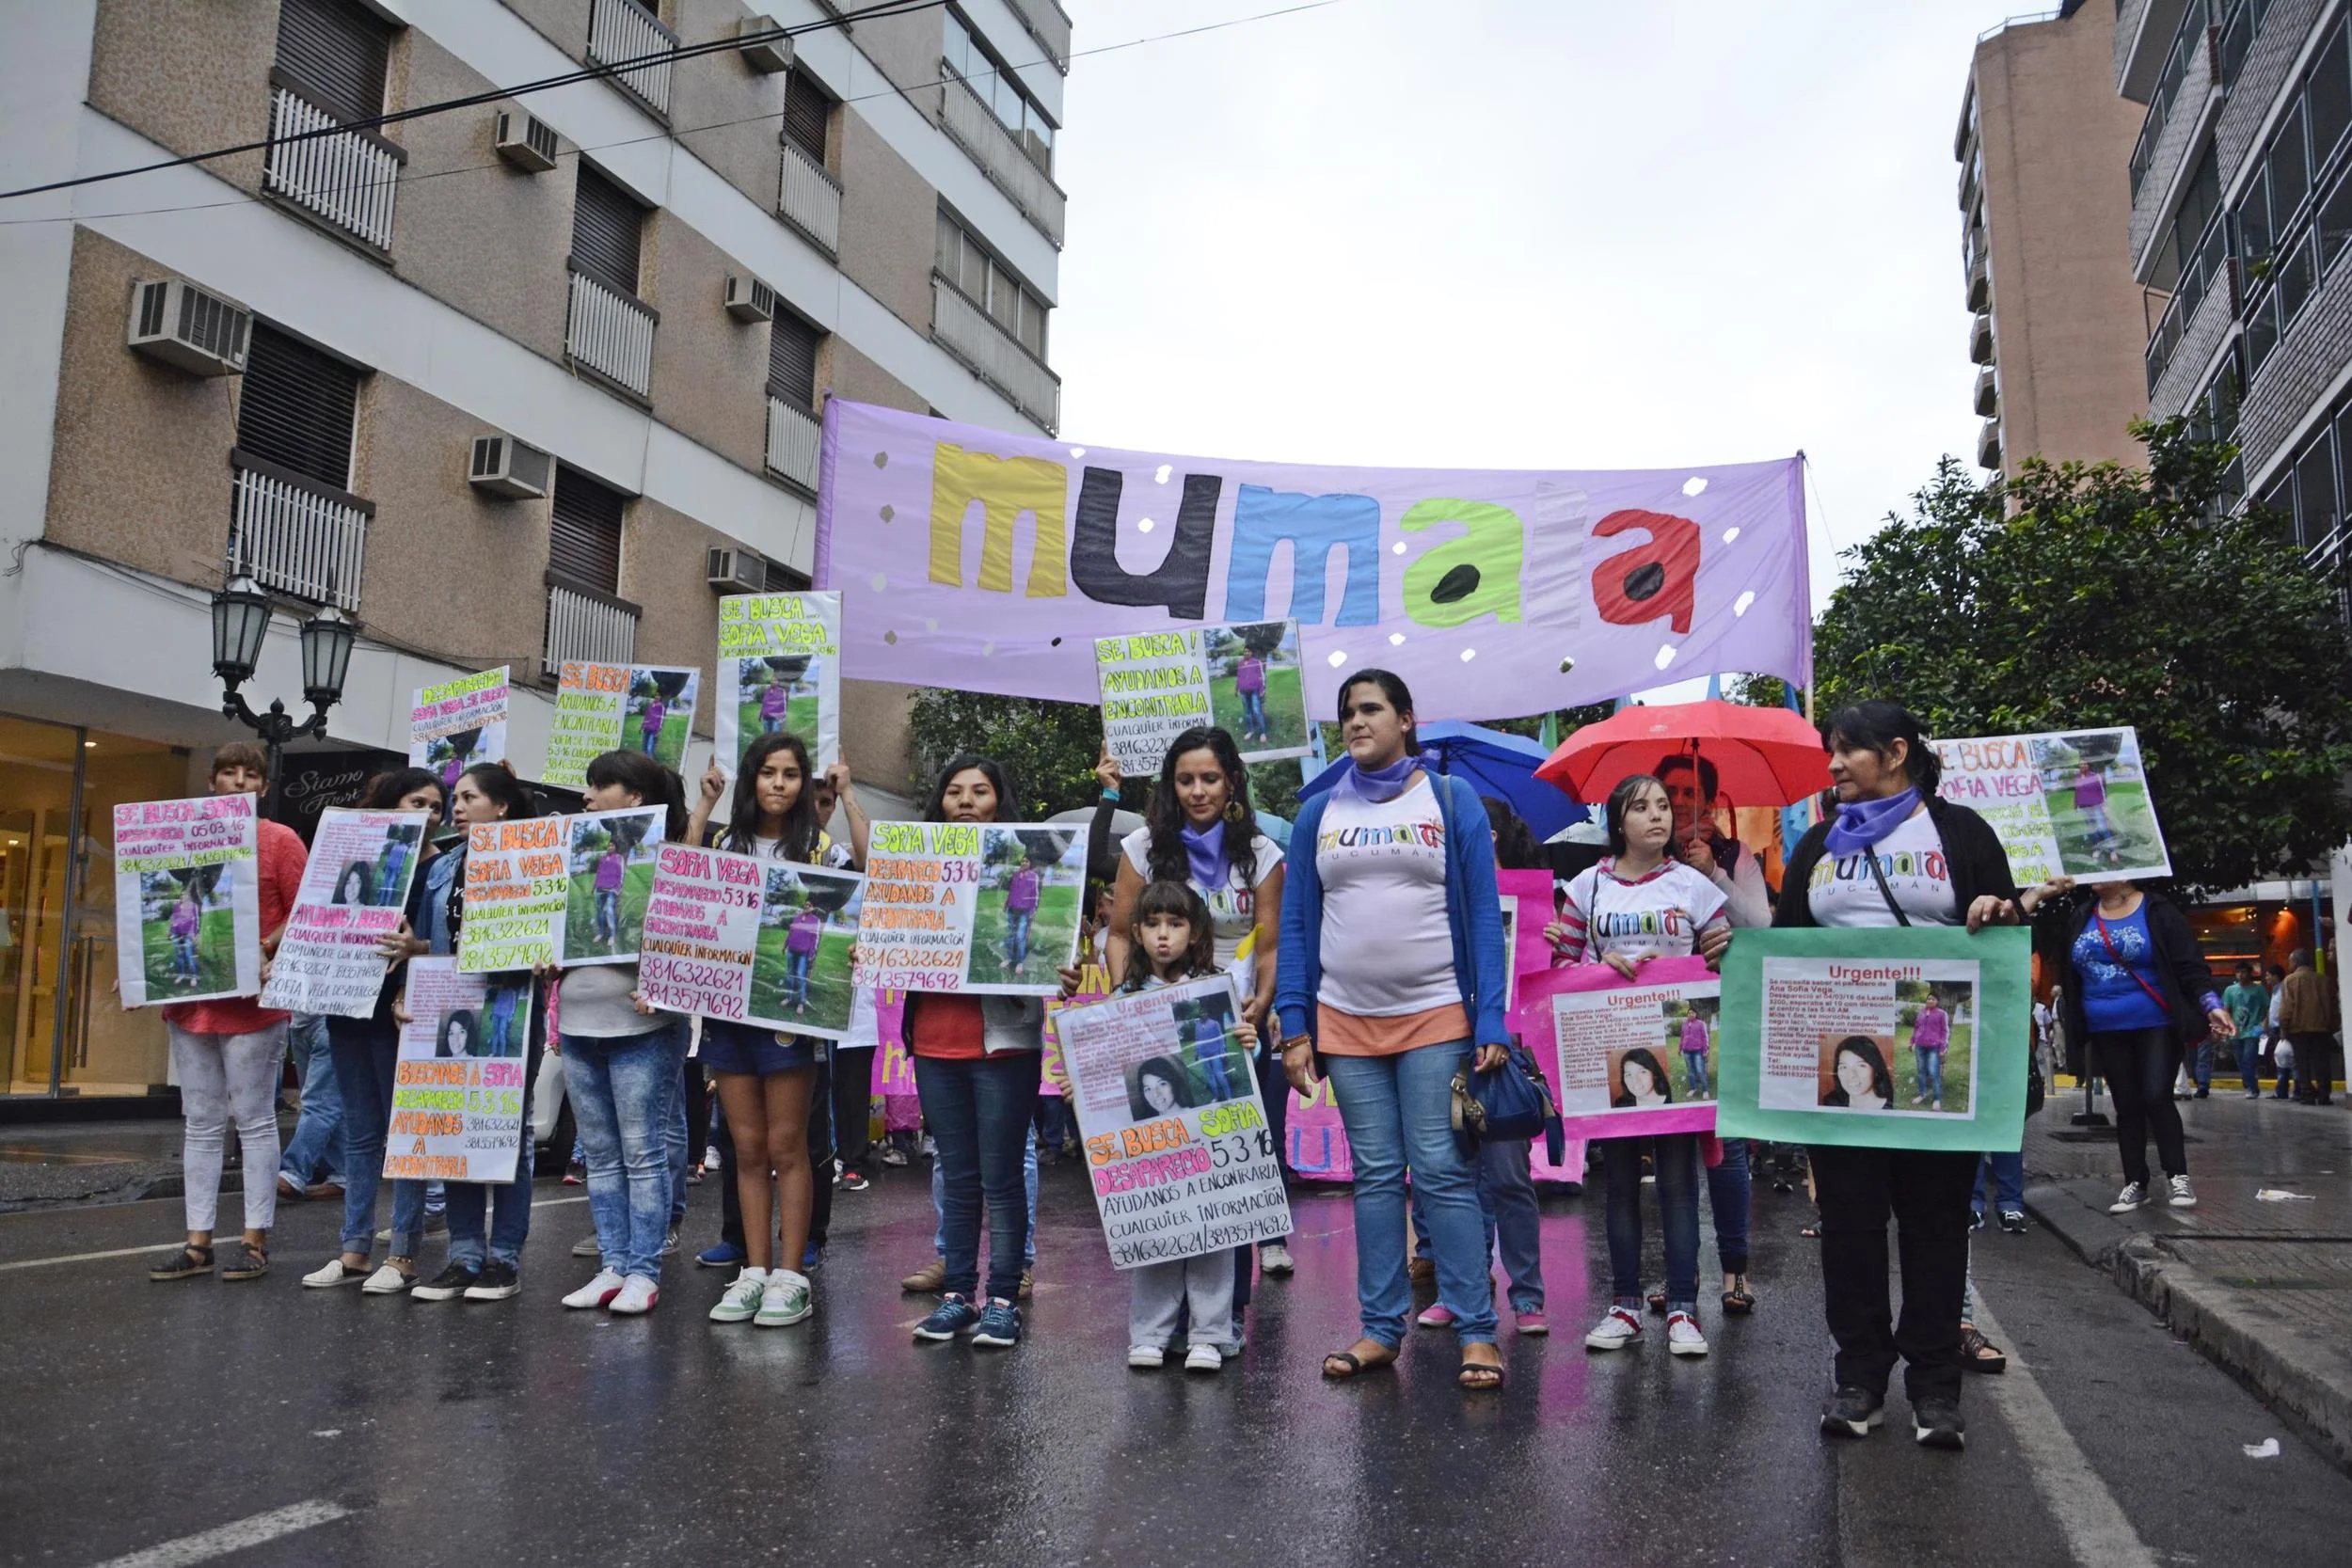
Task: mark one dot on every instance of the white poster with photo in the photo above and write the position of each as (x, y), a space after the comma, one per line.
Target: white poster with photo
(619, 707)
(971, 907)
(1176, 1144)
(752, 941)
(779, 670)
(187, 900)
(2072, 802)
(1884, 1037)
(1245, 679)
(458, 724)
(517, 888)
(457, 1087)
(354, 894)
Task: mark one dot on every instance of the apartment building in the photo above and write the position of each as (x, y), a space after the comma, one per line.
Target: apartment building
(535, 379)
(2057, 323)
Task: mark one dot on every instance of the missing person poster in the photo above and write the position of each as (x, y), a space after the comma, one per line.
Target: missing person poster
(515, 893)
(618, 707)
(1094, 983)
(752, 941)
(2072, 803)
(354, 894)
(779, 670)
(457, 723)
(971, 907)
(187, 900)
(609, 857)
(1901, 1038)
(1245, 679)
(1632, 1057)
(1176, 1144)
(457, 1087)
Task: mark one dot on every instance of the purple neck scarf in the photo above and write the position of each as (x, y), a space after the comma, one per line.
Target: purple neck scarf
(1204, 848)
(1862, 823)
(1379, 786)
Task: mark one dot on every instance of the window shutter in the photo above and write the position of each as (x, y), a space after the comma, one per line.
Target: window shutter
(805, 111)
(606, 226)
(784, 579)
(792, 361)
(338, 49)
(295, 407)
(584, 540)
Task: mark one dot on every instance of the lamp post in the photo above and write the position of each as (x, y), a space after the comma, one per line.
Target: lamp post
(241, 617)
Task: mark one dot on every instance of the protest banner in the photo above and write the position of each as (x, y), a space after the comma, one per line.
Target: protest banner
(187, 900)
(1244, 679)
(457, 723)
(971, 907)
(2072, 802)
(353, 893)
(1908, 1038)
(1177, 1143)
(752, 941)
(1491, 593)
(1632, 1057)
(457, 1087)
(618, 707)
(609, 857)
(516, 891)
(779, 668)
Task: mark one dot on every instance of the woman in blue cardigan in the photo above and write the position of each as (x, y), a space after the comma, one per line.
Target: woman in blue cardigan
(1391, 978)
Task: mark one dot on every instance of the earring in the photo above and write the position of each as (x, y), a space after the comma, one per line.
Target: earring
(1233, 812)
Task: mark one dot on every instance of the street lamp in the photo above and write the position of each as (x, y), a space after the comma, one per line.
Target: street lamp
(241, 617)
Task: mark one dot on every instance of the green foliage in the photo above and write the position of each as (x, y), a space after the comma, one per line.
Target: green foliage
(1049, 748)
(2081, 596)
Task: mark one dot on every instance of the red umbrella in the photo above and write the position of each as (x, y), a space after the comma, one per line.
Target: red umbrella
(1763, 756)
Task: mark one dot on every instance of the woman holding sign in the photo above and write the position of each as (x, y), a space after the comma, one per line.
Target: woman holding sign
(1380, 864)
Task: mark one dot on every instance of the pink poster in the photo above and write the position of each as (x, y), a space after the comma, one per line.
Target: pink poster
(1632, 1056)
(1318, 1142)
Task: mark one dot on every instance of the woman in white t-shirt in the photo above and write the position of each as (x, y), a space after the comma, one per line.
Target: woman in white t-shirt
(1632, 907)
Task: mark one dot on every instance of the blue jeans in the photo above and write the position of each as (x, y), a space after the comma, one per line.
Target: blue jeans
(1506, 1200)
(317, 1145)
(608, 921)
(627, 1102)
(1253, 712)
(475, 1230)
(2200, 1066)
(796, 975)
(939, 1207)
(1398, 1112)
(2249, 1066)
(1677, 1157)
(2003, 1178)
(680, 1138)
(184, 957)
(980, 1114)
(1694, 1072)
(1729, 1187)
(365, 1051)
(1931, 1075)
(1017, 936)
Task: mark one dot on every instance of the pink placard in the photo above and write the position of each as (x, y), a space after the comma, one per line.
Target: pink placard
(1532, 893)
(1318, 1139)
(1664, 986)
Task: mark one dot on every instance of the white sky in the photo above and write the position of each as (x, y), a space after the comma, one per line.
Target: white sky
(1526, 233)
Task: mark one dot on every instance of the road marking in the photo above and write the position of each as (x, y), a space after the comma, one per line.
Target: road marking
(2097, 1533)
(158, 1246)
(261, 1528)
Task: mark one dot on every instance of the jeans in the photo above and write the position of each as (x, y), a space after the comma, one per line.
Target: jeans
(183, 957)
(1730, 1187)
(1931, 1075)
(475, 1230)
(681, 1146)
(2250, 1064)
(1506, 1201)
(1253, 713)
(1017, 936)
(2201, 1066)
(2003, 1180)
(796, 975)
(316, 1147)
(626, 1098)
(939, 1207)
(1215, 1074)
(1677, 1158)
(2315, 1065)
(223, 1076)
(608, 921)
(853, 1104)
(1694, 1072)
(1926, 1194)
(1398, 1112)
(365, 1052)
(2138, 1066)
(978, 1112)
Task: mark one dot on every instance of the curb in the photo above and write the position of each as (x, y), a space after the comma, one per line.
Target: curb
(2273, 1359)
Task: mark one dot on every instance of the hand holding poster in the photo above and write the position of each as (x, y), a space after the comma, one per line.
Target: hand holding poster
(2072, 803)
(458, 1088)
(1181, 1159)
(614, 708)
(1633, 1055)
(354, 894)
(971, 907)
(457, 723)
(1244, 679)
(188, 905)
(779, 668)
(752, 941)
(1903, 1038)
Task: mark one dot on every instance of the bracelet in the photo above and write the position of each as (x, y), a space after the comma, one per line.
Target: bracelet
(1297, 1042)
(1110, 794)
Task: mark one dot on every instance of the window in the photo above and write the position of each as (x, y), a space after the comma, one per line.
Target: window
(806, 113)
(295, 408)
(988, 283)
(994, 82)
(2240, 21)
(2176, 258)
(584, 540)
(606, 224)
(792, 361)
(336, 52)
(2296, 213)
(2315, 509)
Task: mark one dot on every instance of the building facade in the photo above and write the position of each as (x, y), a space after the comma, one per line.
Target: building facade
(2057, 319)
(534, 378)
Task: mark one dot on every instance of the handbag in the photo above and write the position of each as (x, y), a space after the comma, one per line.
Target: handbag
(1510, 1102)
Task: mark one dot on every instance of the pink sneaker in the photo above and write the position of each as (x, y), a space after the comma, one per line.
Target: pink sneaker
(1534, 1322)
(1439, 1316)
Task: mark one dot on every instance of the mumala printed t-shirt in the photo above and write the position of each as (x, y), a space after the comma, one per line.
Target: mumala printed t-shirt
(1388, 949)
(1843, 892)
(1657, 916)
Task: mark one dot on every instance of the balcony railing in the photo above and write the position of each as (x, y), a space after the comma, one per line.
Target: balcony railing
(974, 126)
(621, 31)
(2193, 35)
(795, 436)
(810, 200)
(348, 178)
(2208, 267)
(295, 534)
(994, 355)
(1049, 26)
(610, 334)
(587, 627)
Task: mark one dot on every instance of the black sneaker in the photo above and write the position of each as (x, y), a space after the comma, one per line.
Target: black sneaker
(496, 1282)
(853, 1181)
(2013, 1221)
(451, 1281)
(1936, 1423)
(1976, 1219)
(1852, 1411)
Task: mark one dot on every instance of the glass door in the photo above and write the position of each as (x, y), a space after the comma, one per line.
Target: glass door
(40, 775)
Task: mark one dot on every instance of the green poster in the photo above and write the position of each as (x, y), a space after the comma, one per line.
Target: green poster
(1900, 1038)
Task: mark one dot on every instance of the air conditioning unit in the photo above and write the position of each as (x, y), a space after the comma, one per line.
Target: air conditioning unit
(739, 571)
(524, 140)
(175, 322)
(750, 300)
(770, 53)
(504, 466)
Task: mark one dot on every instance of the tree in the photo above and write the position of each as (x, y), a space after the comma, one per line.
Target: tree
(1049, 748)
(2080, 597)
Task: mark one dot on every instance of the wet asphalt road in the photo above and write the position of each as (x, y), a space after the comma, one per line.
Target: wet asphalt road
(132, 1415)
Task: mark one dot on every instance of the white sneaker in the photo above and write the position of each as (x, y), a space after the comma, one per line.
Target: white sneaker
(1273, 1258)
(386, 1281)
(2135, 1196)
(595, 1293)
(1683, 1337)
(711, 1158)
(1149, 1357)
(743, 1298)
(1203, 1359)
(785, 1301)
(636, 1297)
(1616, 1331)
(2183, 1195)
(330, 1273)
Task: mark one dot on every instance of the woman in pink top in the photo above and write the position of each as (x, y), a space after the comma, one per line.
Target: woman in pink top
(800, 952)
(186, 918)
(1930, 1035)
(1695, 1056)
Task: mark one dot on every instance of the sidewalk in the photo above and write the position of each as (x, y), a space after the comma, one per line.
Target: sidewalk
(47, 1165)
(2263, 1289)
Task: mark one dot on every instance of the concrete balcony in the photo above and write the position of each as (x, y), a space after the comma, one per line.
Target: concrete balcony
(2143, 31)
(971, 125)
(1980, 282)
(1988, 396)
(1980, 339)
(994, 355)
(1989, 445)
(1049, 25)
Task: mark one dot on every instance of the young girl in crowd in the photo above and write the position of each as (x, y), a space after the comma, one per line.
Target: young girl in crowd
(1170, 941)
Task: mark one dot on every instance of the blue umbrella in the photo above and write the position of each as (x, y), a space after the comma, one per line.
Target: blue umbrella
(1497, 763)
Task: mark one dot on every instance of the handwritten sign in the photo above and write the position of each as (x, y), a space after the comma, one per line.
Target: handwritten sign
(613, 707)
(354, 894)
(458, 1086)
(779, 670)
(970, 907)
(187, 906)
(458, 724)
(1244, 679)
(2073, 803)
(754, 941)
(517, 888)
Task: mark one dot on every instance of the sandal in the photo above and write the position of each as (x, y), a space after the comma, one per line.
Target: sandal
(1480, 1376)
(1811, 1232)
(1739, 1301)
(1352, 1365)
(252, 1265)
(189, 1261)
(1978, 1353)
